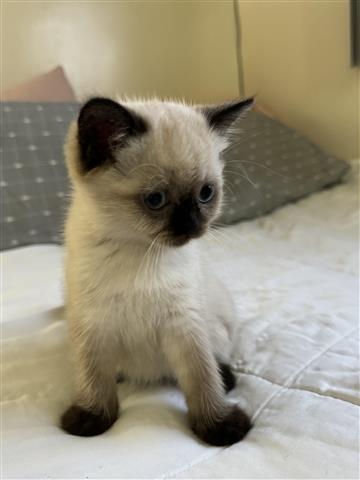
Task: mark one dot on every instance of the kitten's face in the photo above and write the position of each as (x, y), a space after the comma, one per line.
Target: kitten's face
(152, 171)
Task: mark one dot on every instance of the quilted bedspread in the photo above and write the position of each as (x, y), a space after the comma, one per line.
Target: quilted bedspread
(294, 275)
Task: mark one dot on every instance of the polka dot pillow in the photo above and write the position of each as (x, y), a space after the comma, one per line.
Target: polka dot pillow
(34, 182)
(269, 165)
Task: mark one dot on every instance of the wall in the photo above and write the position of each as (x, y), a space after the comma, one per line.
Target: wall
(176, 48)
(296, 56)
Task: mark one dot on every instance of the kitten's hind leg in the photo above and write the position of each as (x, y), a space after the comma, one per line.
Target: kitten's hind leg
(228, 378)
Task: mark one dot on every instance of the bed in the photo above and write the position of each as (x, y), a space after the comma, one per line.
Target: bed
(294, 275)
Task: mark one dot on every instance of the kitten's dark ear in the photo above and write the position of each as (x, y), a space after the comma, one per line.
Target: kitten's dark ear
(221, 117)
(103, 126)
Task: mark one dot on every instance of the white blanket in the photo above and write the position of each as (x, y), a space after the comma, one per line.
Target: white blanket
(294, 277)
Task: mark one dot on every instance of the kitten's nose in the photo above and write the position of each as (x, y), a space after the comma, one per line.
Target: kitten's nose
(185, 219)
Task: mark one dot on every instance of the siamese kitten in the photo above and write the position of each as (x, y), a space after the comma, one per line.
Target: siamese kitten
(141, 301)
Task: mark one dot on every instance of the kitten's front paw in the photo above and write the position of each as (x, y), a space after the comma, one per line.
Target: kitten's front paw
(227, 431)
(78, 421)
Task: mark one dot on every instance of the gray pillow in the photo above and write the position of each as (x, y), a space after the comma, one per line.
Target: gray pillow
(34, 182)
(269, 165)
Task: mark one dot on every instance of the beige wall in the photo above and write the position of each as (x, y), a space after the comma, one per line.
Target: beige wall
(174, 48)
(296, 57)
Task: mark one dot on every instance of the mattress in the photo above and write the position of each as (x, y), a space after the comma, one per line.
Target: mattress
(294, 276)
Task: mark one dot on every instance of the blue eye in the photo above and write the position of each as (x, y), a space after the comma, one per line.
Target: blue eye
(206, 194)
(155, 200)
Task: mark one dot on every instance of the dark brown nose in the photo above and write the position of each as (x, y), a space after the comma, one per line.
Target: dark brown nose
(186, 219)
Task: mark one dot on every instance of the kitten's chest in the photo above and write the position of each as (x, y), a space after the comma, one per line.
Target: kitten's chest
(140, 279)
(137, 298)
(141, 312)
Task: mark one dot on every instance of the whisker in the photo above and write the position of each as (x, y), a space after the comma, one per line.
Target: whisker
(241, 137)
(144, 259)
(261, 166)
(223, 236)
(211, 235)
(229, 189)
(219, 224)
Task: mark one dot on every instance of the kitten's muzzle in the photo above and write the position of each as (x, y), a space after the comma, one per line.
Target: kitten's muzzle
(181, 240)
(186, 222)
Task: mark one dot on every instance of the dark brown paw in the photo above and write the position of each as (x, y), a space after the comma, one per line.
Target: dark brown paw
(229, 430)
(228, 378)
(78, 421)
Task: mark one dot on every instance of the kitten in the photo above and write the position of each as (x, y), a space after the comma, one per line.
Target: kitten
(147, 183)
